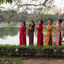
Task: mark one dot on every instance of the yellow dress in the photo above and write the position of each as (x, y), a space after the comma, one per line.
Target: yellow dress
(48, 37)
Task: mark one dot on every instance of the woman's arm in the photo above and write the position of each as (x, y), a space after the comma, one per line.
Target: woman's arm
(49, 28)
(31, 29)
(59, 27)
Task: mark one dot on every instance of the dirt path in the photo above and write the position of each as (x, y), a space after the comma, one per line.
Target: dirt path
(43, 61)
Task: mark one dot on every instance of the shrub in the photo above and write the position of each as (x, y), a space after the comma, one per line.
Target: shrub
(33, 51)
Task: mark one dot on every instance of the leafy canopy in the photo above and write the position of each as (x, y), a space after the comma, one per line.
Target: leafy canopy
(6, 1)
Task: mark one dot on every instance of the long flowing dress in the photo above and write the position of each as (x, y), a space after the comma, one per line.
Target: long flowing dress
(48, 37)
(31, 34)
(58, 34)
(22, 35)
(40, 35)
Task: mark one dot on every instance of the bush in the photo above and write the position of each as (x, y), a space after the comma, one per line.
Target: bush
(33, 51)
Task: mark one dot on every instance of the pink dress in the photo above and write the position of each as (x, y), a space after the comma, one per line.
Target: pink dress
(58, 34)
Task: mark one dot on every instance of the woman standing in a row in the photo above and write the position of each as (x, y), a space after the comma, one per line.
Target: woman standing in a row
(31, 32)
(48, 37)
(59, 32)
(22, 34)
(40, 33)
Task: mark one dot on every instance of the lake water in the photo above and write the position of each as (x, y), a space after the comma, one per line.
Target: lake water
(10, 36)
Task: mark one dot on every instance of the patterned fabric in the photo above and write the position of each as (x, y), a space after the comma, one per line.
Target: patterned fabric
(58, 34)
(48, 37)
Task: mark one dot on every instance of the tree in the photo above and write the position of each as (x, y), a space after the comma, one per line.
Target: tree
(6, 1)
(37, 5)
(11, 16)
(8, 16)
(40, 5)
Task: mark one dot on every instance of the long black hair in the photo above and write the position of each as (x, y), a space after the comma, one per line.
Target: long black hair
(60, 20)
(24, 23)
(50, 19)
(41, 21)
(33, 22)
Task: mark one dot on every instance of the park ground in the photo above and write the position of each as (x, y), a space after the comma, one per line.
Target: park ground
(44, 61)
(40, 60)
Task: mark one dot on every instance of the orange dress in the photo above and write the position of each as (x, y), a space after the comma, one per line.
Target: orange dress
(48, 37)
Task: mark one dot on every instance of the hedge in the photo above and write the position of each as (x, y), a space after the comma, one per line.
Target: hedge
(31, 51)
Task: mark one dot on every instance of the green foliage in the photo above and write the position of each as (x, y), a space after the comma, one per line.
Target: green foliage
(33, 51)
(6, 1)
(8, 16)
(12, 16)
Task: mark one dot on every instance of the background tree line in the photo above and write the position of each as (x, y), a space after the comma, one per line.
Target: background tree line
(12, 16)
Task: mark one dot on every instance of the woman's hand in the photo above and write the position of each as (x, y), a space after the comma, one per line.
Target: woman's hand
(30, 28)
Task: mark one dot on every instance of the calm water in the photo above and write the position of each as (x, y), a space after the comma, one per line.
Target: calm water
(10, 35)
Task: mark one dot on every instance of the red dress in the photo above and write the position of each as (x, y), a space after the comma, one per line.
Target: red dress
(40, 35)
(22, 35)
